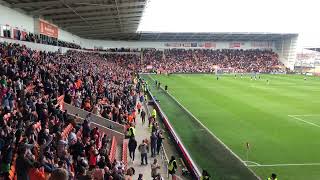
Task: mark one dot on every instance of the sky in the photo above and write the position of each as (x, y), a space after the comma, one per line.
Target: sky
(270, 16)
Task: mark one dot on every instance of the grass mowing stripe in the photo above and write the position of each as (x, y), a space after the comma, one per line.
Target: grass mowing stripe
(203, 125)
(222, 164)
(237, 113)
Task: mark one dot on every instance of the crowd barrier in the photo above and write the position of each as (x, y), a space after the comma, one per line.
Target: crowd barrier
(109, 132)
(189, 162)
(94, 118)
(163, 154)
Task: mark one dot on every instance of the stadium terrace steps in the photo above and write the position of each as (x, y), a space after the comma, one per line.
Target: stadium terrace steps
(97, 119)
(142, 132)
(104, 124)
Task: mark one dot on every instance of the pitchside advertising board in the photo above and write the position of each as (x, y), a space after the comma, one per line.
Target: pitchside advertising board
(222, 45)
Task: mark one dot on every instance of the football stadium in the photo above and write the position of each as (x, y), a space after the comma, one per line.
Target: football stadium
(159, 90)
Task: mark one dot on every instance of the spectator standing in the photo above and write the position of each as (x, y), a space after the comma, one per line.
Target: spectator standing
(139, 107)
(131, 131)
(143, 116)
(273, 177)
(130, 173)
(140, 177)
(153, 141)
(144, 148)
(59, 174)
(132, 145)
(154, 113)
(159, 141)
(23, 164)
(98, 173)
(172, 167)
(154, 169)
(205, 175)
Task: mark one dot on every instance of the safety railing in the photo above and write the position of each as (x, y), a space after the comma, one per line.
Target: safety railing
(94, 118)
(190, 163)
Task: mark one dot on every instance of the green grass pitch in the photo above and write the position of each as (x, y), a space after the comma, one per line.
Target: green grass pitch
(280, 120)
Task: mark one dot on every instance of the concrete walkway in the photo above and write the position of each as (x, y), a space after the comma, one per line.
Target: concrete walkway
(142, 132)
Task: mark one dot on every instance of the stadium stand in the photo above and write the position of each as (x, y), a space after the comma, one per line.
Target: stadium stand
(205, 60)
(72, 109)
(35, 125)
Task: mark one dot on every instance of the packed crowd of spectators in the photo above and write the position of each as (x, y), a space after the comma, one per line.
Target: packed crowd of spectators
(39, 38)
(121, 50)
(37, 136)
(68, 44)
(206, 60)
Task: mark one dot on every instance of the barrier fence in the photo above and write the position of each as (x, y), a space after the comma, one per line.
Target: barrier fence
(94, 118)
(190, 163)
(163, 154)
(109, 132)
(109, 127)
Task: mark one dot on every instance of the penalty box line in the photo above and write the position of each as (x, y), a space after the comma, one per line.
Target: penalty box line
(299, 119)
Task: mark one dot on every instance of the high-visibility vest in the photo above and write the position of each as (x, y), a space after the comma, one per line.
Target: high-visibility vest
(154, 113)
(271, 179)
(171, 166)
(204, 177)
(132, 132)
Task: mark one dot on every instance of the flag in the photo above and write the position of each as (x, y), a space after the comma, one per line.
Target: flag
(248, 145)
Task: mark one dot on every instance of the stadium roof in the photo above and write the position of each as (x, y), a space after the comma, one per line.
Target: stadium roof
(116, 20)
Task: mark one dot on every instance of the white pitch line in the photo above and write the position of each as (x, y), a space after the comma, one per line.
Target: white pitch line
(277, 165)
(252, 163)
(304, 115)
(299, 119)
(213, 135)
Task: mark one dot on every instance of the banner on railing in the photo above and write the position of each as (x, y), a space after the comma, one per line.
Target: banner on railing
(235, 45)
(149, 66)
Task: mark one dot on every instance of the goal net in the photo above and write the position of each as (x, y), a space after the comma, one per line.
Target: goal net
(221, 71)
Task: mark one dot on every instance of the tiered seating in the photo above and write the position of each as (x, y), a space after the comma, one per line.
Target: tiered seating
(113, 149)
(125, 153)
(12, 172)
(100, 140)
(79, 133)
(66, 131)
(208, 60)
(49, 79)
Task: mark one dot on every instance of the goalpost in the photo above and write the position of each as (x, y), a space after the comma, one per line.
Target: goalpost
(224, 71)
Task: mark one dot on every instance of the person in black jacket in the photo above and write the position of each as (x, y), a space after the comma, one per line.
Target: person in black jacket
(132, 145)
(23, 164)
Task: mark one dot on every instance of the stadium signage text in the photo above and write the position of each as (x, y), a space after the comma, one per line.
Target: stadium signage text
(48, 29)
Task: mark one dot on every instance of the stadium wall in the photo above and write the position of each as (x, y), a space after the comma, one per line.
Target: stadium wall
(18, 20)
(15, 19)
